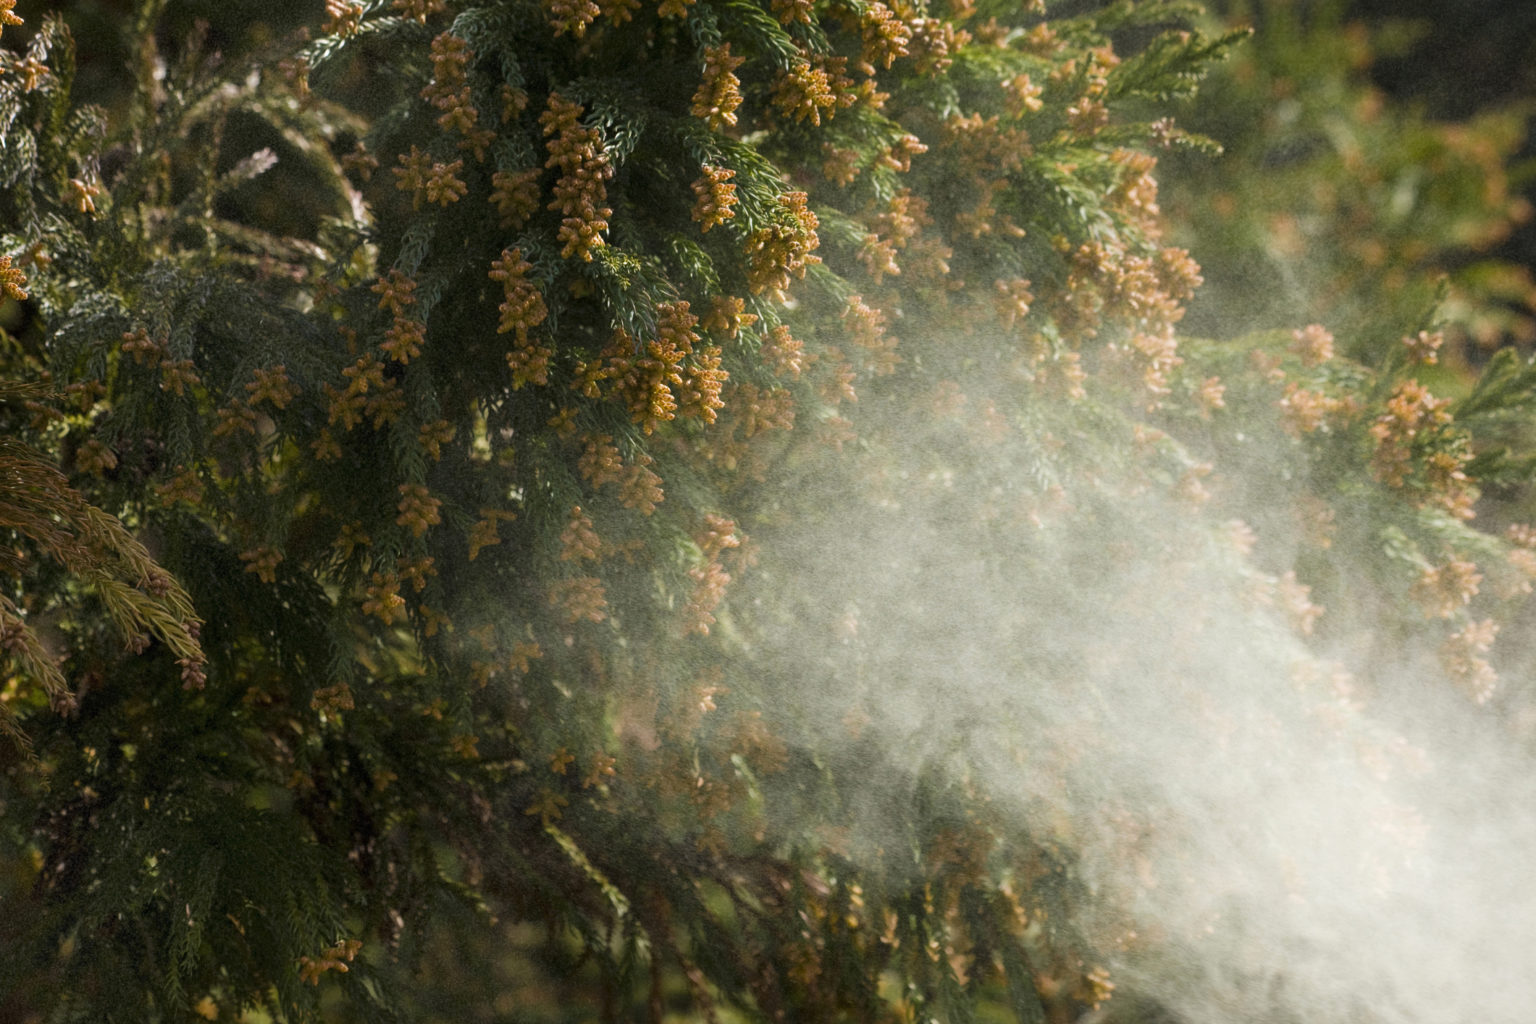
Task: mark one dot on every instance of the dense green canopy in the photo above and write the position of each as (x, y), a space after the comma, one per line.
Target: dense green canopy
(600, 510)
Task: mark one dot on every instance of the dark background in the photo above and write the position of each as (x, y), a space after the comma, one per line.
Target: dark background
(1469, 55)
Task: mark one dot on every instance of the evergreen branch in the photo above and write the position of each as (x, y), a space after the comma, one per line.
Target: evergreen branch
(1172, 66)
(37, 502)
(758, 31)
(1507, 385)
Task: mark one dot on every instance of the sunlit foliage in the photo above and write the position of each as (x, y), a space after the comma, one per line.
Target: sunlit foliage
(511, 491)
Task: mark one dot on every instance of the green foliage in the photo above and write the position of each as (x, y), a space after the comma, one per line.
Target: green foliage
(50, 519)
(1335, 206)
(483, 370)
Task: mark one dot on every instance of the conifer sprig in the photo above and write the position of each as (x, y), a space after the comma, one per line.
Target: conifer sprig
(475, 488)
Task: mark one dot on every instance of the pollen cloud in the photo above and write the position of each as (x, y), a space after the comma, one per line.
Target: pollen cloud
(1261, 823)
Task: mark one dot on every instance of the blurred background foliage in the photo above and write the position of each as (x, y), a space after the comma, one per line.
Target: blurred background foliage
(1352, 190)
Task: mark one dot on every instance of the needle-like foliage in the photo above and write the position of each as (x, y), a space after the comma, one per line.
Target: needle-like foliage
(505, 383)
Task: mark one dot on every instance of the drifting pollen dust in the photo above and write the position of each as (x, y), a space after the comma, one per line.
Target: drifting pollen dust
(1262, 825)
